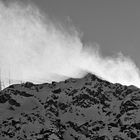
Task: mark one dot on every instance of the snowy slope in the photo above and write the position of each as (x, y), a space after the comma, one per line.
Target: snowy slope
(76, 109)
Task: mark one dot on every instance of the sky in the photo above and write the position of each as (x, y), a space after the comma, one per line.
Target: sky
(47, 40)
(113, 24)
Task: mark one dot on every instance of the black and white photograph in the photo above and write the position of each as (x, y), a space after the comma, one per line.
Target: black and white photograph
(69, 69)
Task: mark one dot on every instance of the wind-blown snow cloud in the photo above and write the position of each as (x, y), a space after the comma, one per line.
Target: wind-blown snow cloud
(33, 48)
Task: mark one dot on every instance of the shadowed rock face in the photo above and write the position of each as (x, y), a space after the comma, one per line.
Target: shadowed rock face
(76, 109)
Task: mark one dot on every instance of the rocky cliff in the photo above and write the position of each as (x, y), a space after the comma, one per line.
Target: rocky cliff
(75, 109)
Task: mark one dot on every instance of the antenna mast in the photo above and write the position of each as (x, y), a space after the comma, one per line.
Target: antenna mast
(9, 78)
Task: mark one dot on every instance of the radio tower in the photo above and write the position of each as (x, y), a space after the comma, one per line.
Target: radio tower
(9, 79)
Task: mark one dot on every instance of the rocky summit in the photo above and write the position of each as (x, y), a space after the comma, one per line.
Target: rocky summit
(75, 109)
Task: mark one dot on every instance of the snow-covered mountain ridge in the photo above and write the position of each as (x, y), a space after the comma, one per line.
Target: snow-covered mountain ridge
(75, 109)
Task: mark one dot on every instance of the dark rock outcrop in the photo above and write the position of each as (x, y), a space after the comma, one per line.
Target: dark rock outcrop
(76, 109)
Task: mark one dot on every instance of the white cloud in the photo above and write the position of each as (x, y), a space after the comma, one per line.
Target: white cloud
(32, 48)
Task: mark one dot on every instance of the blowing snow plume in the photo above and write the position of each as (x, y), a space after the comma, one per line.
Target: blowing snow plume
(33, 48)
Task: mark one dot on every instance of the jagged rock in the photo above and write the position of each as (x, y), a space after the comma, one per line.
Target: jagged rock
(75, 109)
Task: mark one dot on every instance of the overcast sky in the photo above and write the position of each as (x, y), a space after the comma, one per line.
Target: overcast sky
(113, 24)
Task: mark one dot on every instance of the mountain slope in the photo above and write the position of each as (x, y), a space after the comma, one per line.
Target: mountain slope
(76, 109)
